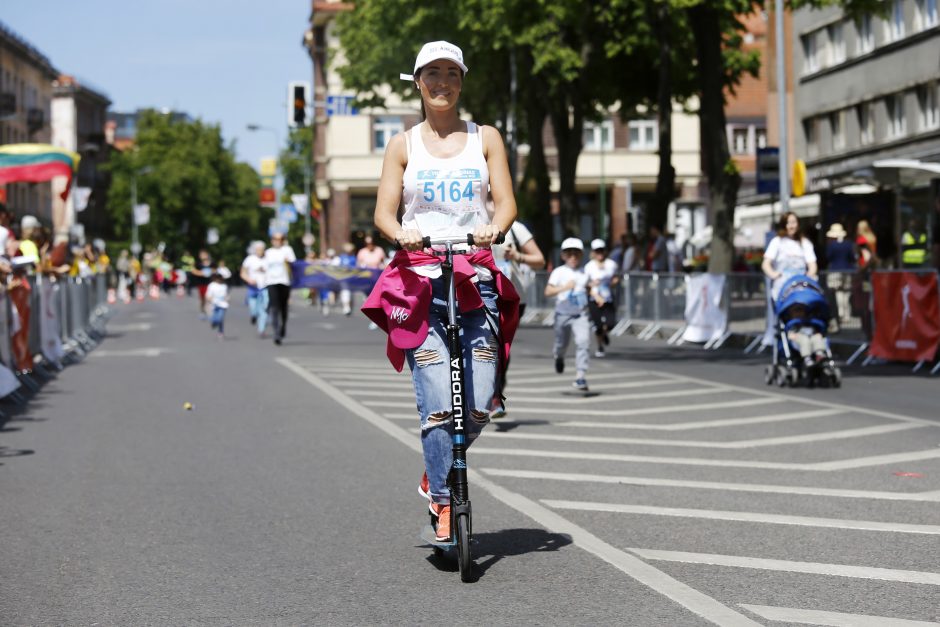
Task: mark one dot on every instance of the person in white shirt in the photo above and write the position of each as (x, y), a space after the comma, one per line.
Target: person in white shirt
(252, 273)
(569, 284)
(788, 254)
(277, 279)
(602, 276)
(217, 297)
(517, 257)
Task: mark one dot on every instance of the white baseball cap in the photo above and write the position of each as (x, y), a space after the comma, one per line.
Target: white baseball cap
(598, 244)
(572, 243)
(432, 51)
(29, 222)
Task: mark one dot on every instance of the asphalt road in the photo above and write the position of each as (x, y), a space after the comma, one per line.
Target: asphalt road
(682, 491)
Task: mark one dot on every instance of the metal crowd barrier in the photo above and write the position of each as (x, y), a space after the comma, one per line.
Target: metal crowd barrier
(653, 304)
(66, 321)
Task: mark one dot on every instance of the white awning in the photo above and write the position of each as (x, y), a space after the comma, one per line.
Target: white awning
(910, 171)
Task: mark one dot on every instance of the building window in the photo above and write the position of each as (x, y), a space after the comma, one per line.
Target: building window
(929, 111)
(644, 135)
(384, 128)
(865, 35)
(894, 26)
(836, 43)
(739, 140)
(598, 135)
(761, 135)
(926, 14)
(812, 136)
(866, 123)
(811, 53)
(897, 123)
(837, 130)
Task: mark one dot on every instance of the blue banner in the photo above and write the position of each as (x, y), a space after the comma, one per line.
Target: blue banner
(320, 276)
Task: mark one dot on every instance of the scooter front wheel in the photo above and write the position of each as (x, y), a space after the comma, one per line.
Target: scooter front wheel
(464, 561)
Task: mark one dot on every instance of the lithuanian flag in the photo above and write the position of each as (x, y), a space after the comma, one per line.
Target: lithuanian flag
(34, 163)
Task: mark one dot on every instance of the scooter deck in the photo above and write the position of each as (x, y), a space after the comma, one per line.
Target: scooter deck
(427, 535)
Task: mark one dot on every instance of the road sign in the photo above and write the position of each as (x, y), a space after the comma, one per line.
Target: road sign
(267, 197)
(308, 239)
(287, 213)
(799, 178)
(340, 105)
(141, 214)
(300, 203)
(768, 173)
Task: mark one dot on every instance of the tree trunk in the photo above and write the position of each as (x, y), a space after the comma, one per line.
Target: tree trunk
(536, 183)
(568, 127)
(720, 171)
(657, 211)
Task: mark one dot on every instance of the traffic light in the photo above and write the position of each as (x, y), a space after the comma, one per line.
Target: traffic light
(298, 95)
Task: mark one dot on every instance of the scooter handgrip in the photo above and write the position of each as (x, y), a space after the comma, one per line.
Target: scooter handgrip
(499, 239)
(426, 241)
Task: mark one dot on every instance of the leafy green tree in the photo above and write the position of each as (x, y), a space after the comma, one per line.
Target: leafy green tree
(192, 183)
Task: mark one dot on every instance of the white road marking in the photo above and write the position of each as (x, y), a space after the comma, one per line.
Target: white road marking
(385, 384)
(861, 462)
(788, 566)
(714, 485)
(663, 409)
(805, 401)
(830, 619)
(548, 377)
(132, 326)
(702, 424)
(749, 517)
(701, 604)
(134, 352)
(545, 398)
(513, 389)
(735, 444)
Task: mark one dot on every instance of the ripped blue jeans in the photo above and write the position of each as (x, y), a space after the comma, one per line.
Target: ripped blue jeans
(430, 372)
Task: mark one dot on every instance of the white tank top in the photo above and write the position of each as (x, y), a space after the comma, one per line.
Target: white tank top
(445, 197)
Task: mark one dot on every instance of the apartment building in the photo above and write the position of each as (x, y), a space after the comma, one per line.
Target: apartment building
(616, 170)
(868, 111)
(26, 77)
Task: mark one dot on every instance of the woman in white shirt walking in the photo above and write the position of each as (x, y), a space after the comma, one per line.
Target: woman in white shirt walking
(277, 260)
(788, 254)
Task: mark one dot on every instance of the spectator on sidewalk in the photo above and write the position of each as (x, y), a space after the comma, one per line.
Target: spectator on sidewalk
(914, 245)
(867, 243)
(370, 255)
(518, 257)
(788, 254)
(29, 227)
(657, 254)
(568, 284)
(346, 259)
(842, 261)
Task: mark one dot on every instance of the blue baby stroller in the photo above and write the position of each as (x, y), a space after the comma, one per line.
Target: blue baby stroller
(801, 306)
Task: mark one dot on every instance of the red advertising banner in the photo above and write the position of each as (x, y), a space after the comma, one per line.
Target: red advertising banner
(907, 316)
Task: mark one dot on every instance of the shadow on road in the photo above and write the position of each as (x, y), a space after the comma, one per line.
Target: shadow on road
(492, 547)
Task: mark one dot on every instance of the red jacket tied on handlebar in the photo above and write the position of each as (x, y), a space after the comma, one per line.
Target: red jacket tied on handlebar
(400, 302)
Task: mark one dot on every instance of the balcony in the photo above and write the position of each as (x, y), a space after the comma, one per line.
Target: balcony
(35, 119)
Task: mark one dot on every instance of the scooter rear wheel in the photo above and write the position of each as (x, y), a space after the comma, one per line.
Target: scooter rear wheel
(464, 561)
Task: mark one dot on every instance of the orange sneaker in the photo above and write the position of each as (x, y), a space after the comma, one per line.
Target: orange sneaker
(443, 522)
(424, 488)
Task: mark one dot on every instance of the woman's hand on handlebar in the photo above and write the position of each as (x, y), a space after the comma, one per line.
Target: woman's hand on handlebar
(485, 235)
(409, 239)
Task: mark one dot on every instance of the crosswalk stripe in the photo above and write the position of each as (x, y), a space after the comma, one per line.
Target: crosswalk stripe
(809, 568)
(831, 619)
(602, 376)
(712, 485)
(737, 444)
(749, 517)
(702, 424)
(861, 462)
(663, 409)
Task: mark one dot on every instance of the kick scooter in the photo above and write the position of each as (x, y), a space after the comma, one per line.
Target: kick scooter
(460, 512)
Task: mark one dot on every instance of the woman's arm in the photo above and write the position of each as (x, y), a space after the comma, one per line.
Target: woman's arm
(530, 254)
(388, 198)
(554, 290)
(767, 265)
(500, 185)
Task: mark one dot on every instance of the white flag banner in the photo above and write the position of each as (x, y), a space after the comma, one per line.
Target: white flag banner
(141, 214)
(705, 317)
(300, 203)
(212, 236)
(80, 197)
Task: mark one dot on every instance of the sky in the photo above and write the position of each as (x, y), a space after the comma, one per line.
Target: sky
(223, 61)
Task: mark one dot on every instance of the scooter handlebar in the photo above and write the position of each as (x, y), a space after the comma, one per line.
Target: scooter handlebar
(429, 241)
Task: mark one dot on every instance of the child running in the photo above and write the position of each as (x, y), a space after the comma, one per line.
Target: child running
(217, 296)
(569, 284)
(602, 274)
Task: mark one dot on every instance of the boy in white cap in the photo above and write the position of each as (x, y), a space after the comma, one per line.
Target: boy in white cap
(569, 284)
(602, 275)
